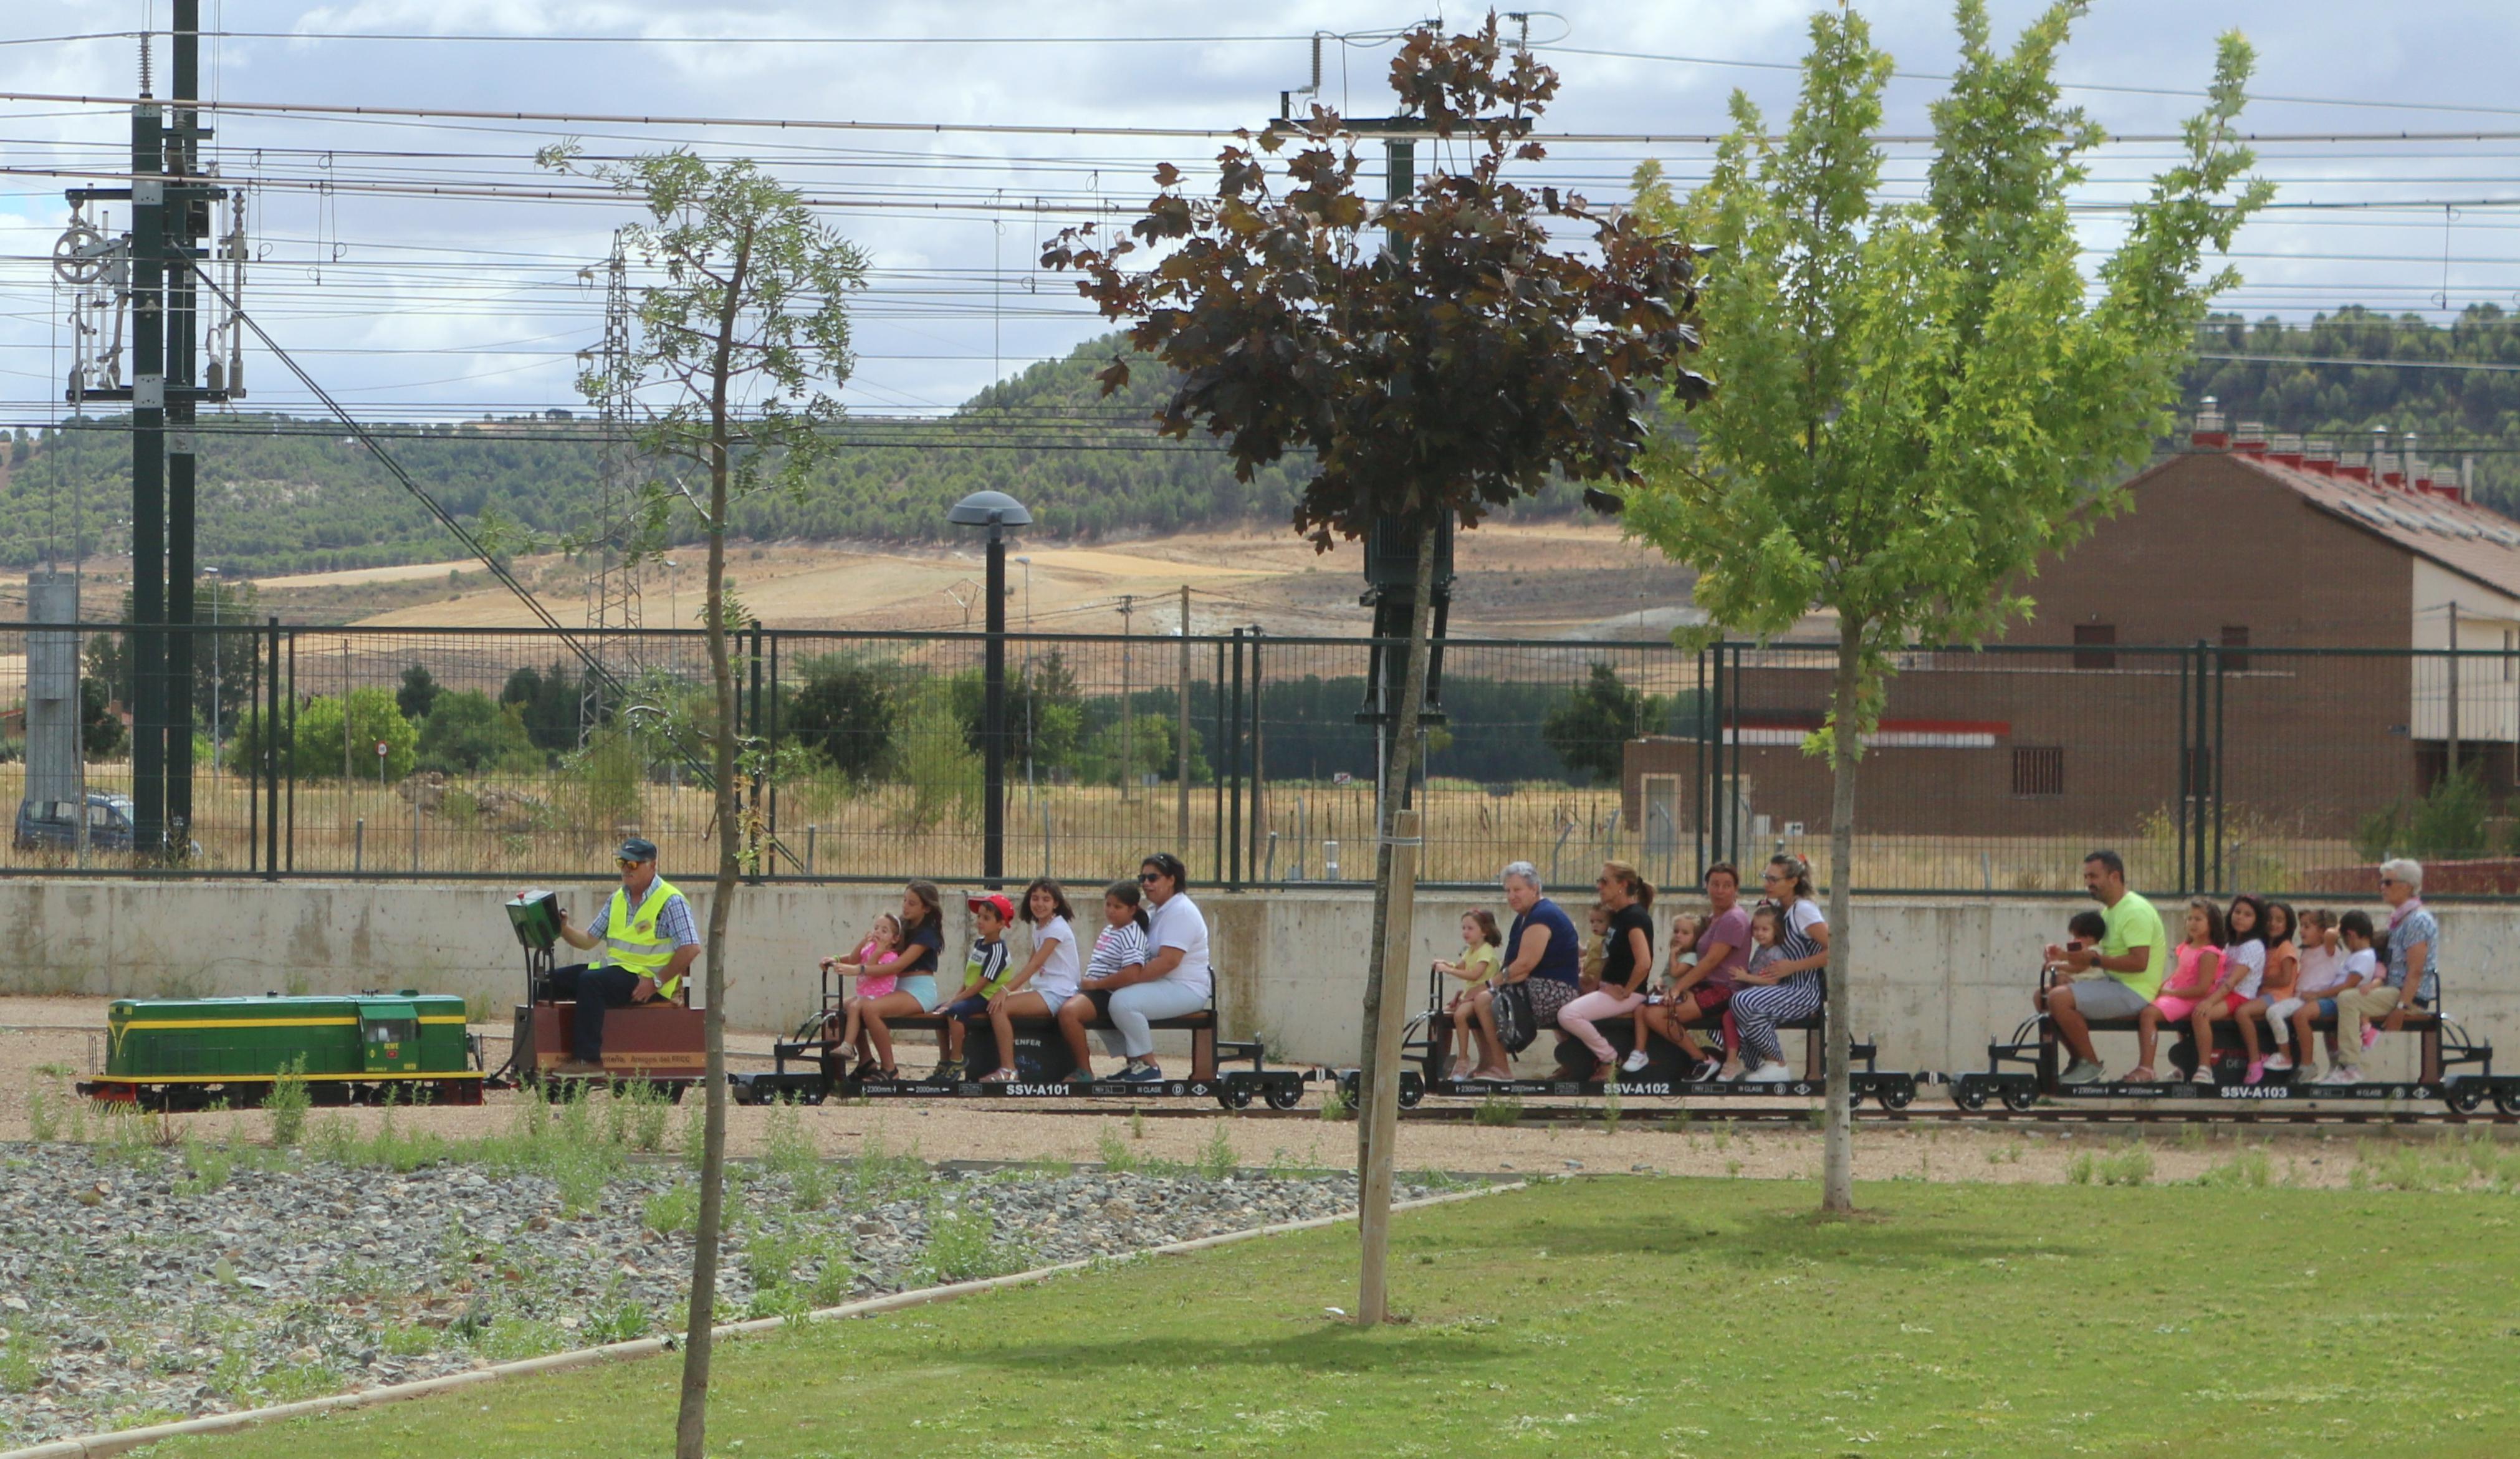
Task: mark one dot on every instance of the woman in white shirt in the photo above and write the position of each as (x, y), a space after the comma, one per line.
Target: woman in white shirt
(1175, 979)
(1045, 981)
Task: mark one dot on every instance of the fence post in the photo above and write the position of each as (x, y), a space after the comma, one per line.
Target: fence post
(270, 754)
(1216, 770)
(1259, 801)
(770, 742)
(1697, 768)
(2200, 774)
(291, 758)
(359, 847)
(1233, 759)
(2216, 764)
(2183, 778)
(811, 833)
(752, 727)
(415, 831)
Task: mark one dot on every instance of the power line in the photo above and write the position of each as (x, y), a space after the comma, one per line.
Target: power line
(1050, 129)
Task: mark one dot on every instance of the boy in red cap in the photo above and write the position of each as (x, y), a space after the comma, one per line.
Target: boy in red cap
(982, 971)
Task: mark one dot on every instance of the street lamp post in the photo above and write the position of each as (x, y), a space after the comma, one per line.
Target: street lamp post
(995, 510)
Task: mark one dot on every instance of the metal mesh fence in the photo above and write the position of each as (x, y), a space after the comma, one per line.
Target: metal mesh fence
(433, 752)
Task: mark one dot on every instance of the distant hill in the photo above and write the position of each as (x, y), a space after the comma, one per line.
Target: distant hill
(2445, 408)
(294, 495)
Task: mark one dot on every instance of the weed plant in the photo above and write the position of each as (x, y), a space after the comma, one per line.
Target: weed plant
(2131, 1164)
(963, 1246)
(1216, 1159)
(1498, 1110)
(286, 1106)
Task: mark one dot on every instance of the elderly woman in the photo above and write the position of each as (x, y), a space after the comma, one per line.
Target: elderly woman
(1543, 953)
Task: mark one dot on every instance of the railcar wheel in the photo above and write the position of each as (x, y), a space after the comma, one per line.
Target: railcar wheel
(1968, 1096)
(1234, 1097)
(1896, 1098)
(1410, 1091)
(2019, 1099)
(2507, 1099)
(2465, 1101)
(1284, 1096)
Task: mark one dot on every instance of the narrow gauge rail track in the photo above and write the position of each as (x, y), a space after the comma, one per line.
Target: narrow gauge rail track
(1733, 1113)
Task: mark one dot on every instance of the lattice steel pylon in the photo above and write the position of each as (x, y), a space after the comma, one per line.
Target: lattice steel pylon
(614, 547)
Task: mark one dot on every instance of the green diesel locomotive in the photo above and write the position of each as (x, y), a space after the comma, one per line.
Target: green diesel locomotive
(184, 1053)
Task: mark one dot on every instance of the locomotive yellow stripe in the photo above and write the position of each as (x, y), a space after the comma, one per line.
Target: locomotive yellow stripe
(238, 1022)
(266, 1022)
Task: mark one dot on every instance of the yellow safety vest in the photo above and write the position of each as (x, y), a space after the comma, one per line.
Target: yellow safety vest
(632, 940)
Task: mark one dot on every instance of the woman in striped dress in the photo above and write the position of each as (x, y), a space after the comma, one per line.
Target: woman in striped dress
(1785, 989)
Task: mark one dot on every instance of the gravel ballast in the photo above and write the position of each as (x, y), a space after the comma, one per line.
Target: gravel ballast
(131, 1294)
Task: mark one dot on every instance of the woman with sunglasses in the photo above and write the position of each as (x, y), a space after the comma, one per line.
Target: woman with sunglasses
(1174, 980)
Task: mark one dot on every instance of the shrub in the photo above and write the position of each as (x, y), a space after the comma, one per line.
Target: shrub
(467, 733)
(287, 1105)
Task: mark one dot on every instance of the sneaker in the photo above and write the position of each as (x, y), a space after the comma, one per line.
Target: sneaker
(946, 1071)
(1768, 1074)
(2273, 1064)
(1633, 1063)
(2080, 1072)
(1141, 1074)
(2257, 1072)
(1080, 1075)
(1705, 1070)
(2343, 1074)
(2371, 1034)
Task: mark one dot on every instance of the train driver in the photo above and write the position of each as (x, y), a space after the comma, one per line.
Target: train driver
(648, 944)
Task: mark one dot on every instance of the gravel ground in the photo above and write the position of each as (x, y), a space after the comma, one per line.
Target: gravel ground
(129, 1293)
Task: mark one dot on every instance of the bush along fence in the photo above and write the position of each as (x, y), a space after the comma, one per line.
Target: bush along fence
(499, 753)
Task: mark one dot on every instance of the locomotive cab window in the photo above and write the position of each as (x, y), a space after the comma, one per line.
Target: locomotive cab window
(390, 1037)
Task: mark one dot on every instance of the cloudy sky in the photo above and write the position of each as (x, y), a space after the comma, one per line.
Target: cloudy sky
(448, 306)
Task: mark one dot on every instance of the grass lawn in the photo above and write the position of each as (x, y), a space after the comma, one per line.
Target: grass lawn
(1634, 1316)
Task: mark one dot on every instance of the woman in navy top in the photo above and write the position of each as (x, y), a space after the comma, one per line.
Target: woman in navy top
(1543, 952)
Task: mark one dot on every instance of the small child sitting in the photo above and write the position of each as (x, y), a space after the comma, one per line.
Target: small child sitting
(1650, 1015)
(2198, 974)
(1477, 967)
(874, 965)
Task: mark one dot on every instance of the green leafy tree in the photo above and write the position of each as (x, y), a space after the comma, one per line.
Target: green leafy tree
(468, 733)
(546, 701)
(1589, 727)
(1916, 402)
(418, 693)
(101, 733)
(1441, 372)
(747, 321)
(846, 711)
(330, 732)
(226, 663)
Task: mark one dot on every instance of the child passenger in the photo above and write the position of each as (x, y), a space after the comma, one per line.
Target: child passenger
(2323, 972)
(1655, 1016)
(2283, 971)
(2244, 966)
(982, 971)
(874, 965)
(2361, 968)
(2199, 972)
(1477, 967)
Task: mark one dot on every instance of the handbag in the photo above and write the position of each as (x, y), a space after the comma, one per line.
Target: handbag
(1515, 1023)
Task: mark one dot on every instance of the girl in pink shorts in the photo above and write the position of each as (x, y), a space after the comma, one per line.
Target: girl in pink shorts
(2199, 970)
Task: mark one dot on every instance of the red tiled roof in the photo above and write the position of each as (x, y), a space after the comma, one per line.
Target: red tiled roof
(2472, 541)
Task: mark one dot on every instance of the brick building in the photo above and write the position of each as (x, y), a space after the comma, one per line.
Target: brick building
(2308, 575)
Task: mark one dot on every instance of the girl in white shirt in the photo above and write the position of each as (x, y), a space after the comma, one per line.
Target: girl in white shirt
(1045, 981)
(1119, 953)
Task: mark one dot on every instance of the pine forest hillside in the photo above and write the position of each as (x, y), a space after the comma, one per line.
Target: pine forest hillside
(292, 495)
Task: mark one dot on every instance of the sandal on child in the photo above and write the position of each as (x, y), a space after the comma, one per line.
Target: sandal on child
(1000, 1077)
(2141, 1073)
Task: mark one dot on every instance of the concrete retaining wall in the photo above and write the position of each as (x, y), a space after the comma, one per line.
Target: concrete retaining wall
(1936, 977)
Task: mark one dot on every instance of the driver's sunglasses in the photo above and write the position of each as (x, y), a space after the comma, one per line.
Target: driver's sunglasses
(625, 863)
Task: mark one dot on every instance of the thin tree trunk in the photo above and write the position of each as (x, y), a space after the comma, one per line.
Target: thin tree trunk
(1378, 1082)
(1837, 1154)
(691, 1424)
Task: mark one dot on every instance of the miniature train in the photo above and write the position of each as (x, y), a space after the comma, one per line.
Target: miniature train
(188, 1053)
